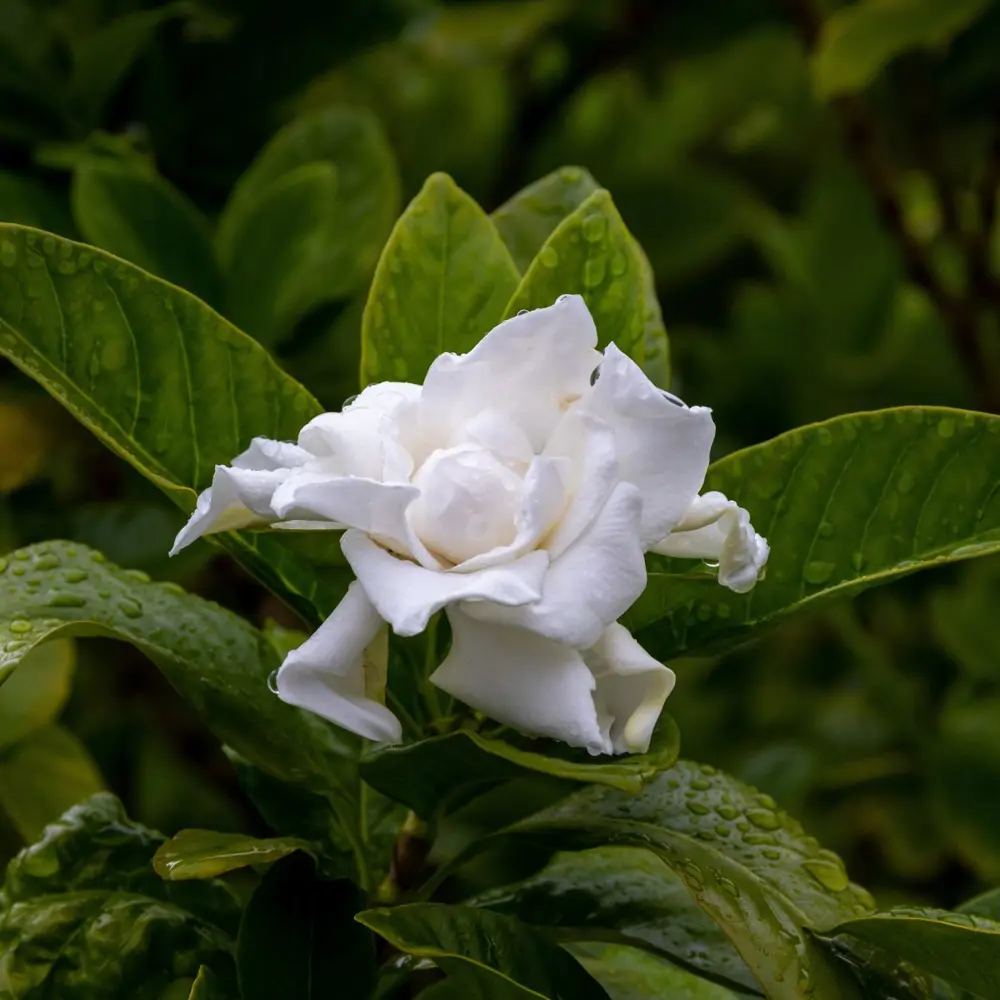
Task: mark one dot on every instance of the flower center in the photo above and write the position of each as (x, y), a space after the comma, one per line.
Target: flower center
(468, 502)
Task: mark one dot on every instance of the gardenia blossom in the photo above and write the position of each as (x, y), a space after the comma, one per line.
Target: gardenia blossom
(519, 489)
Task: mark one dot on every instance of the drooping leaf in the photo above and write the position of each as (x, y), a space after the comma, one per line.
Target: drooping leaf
(165, 382)
(960, 948)
(630, 895)
(442, 282)
(196, 854)
(429, 775)
(858, 40)
(846, 504)
(306, 222)
(631, 974)
(591, 253)
(491, 957)
(42, 776)
(528, 219)
(126, 208)
(33, 699)
(216, 659)
(299, 940)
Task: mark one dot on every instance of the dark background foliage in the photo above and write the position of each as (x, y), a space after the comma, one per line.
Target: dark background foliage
(823, 232)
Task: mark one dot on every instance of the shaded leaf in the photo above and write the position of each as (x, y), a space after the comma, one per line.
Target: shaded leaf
(24, 200)
(442, 282)
(845, 504)
(126, 208)
(438, 773)
(197, 854)
(986, 904)
(299, 941)
(490, 956)
(25, 443)
(207, 987)
(34, 697)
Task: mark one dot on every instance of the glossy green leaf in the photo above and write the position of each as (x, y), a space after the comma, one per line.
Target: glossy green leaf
(307, 221)
(629, 895)
(163, 381)
(748, 865)
(438, 773)
(299, 940)
(845, 505)
(490, 956)
(216, 659)
(442, 282)
(630, 974)
(126, 208)
(858, 40)
(960, 948)
(591, 253)
(34, 698)
(196, 854)
(83, 915)
(986, 904)
(528, 219)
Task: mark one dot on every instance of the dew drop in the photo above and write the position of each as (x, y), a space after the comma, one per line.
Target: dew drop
(728, 886)
(594, 228)
(48, 246)
(3, 564)
(817, 572)
(22, 555)
(522, 312)
(98, 557)
(946, 427)
(594, 271)
(571, 175)
(173, 588)
(66, 601)
(698, 808)
(18, 571)
(824, 436)
(829, 875)
(549, 256)
(771, 854)
(19, 626)
(130, 608)
(826, 529)
(728, 812)
(723, 610)
(858, 561)
(138, 575)
(76, 575)
(272, 682)
(8, 253)
(722, 830)
(704, 612)
(759, 839)
(700, 785)
(619, 265)
(14, 645)
(764, 819)
(46, 563)
(906, 483)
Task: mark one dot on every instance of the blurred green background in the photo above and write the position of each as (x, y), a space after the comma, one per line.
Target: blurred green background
(815, 184)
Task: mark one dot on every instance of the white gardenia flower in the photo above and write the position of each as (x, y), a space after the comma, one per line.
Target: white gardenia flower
(518, 488)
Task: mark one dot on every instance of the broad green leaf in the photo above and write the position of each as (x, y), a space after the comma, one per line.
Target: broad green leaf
(83, 915)
(986, 904)
(34, 698)
(431, 775)
(126, 208)
(845, 505)
(44, 775)
(207, 987)
(216, 659)
(490, 956)
(960, 948)
(307, 221)
(442, 282)
(748, 865)
(591, 253)
(528, 219)
(858, 40)
(165, 382)
(299, 940)
(196, 854)
(629, 895)
(630, 974)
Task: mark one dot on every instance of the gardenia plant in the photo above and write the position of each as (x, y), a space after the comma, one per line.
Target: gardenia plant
(518, 488)
(531, 535)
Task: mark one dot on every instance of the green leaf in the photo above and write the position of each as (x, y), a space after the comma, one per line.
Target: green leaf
(630, 974)
(958, 947)
(299, 940)
(491, 957)
(307, 221)
(33, 699)
(207, 986)
(629, 896)
(165, 382)
(986, 904)
(858, 40)
(748, 865)
(83, 915)
(218, 661)
(845, 505)
(442, 282)
(197, 854)
(592, 253)
(126, 208)
(440, 772)
(44, 775)
(528, 219)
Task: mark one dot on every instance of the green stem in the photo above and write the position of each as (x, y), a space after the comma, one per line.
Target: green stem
(430, 665)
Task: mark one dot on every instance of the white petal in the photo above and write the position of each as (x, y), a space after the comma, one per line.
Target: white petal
(406, 594)
(326, 674)
(499, 433)
(349, 502)
(591, 584)
(358, 442)
(663, 448)
(237, 498)
(265, 454)
(530, 368)
(537, 686)
(718, 529)
(631, 688)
